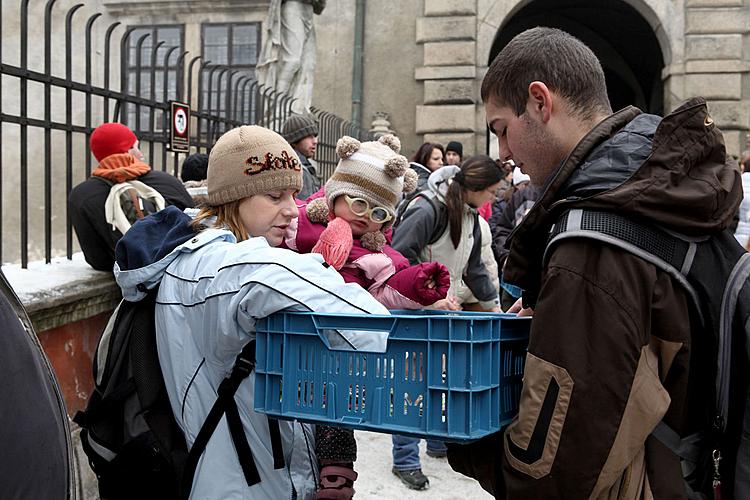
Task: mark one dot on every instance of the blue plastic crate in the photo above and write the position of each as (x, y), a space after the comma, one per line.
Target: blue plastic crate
(451, 376)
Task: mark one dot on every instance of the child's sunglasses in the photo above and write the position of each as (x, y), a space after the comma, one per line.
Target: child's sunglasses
(361, 207)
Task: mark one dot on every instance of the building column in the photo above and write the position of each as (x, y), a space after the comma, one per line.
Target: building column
(448, 33)
(717, 67)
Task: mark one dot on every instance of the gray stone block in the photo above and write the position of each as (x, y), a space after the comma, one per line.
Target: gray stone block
(444, 72)
(713, 46)
(439, 29)
(717, 66)
(730, 115)
(714, 86)
(449, 92)
(450, 53)
(733, 141)
(450, 7)
(713, 3)
(723, 20)
(445, 118)
(467, 140)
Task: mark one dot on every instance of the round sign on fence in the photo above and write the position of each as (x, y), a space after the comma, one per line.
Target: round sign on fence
(179, 136)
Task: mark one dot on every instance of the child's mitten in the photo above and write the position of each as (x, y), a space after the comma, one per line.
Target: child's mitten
(335, 243)
(425, 283)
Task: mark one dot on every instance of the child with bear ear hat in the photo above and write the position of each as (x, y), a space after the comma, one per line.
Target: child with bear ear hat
(350, 226)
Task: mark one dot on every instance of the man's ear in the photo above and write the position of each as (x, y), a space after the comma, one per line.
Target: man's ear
(540, 101)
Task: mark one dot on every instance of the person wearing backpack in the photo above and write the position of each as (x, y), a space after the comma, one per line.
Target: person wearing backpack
(103, 206)
(616, 352)
(442, 225)
(216, 274)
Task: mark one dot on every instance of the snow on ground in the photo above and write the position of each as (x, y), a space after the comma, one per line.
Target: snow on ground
(376, 481)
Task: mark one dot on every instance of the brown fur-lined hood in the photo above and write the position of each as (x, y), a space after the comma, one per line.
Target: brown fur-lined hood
(671, 171)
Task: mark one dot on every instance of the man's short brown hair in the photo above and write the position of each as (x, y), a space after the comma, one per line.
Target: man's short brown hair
(559, 60)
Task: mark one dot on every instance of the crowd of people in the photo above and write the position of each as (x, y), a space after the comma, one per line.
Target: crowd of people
(439, 231)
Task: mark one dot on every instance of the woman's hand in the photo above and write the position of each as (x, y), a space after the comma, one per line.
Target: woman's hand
(518, 308)
(449, 303)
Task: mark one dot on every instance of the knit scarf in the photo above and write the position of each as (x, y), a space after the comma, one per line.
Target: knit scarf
(120, 168)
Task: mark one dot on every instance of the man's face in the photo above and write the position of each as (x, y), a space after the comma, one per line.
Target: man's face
(307, 145)
(526, 140)
(452, 158)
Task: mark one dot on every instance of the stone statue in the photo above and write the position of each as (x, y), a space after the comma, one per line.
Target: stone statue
(287, 59)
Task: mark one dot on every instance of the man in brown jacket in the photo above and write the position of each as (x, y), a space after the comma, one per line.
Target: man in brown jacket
(610, 353)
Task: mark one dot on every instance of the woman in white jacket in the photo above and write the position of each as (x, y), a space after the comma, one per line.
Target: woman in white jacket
(213, 286)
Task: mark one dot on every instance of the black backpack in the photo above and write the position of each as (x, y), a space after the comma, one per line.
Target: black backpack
(714, 271)
(438, 208)
(132, 440)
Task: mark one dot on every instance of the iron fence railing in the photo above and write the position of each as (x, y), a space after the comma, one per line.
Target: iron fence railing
(86, 104)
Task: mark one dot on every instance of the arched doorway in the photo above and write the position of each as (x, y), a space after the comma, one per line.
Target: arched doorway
(621, 38)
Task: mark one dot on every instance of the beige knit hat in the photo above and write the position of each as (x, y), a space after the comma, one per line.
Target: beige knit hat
(250, 160)
(371, 170)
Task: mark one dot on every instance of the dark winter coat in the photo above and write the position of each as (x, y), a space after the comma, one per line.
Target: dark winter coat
(610, 352)
(37, 457)
(504, 221)
(86, 208)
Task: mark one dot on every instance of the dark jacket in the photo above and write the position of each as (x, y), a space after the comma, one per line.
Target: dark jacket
(610, 353)
(310, 179)
(86, 208)
(423, 173)
(504, 221)
(37, 460)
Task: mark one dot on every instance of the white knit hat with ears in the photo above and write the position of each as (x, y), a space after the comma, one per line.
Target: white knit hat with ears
(370, 170)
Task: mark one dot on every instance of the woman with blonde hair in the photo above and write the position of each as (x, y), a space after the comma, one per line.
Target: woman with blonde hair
(217, 274)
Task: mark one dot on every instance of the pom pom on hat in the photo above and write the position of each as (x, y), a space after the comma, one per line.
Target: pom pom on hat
(317, 211)
(396, 166)
(391, 141)
(411, 179)
(347, 146)
(373, 241)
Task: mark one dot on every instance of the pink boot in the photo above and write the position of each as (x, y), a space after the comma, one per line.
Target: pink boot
(336, 483)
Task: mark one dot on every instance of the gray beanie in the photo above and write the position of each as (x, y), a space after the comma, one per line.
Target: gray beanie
(297, 127)
(250, 160)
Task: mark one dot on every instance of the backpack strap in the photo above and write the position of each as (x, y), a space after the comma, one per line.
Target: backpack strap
(226, 404)
(668, 252)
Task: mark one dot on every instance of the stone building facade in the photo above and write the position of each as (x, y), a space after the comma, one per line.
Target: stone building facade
(425, 59)
(423, 63)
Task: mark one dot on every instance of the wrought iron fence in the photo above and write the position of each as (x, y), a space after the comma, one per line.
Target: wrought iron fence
(34, 121)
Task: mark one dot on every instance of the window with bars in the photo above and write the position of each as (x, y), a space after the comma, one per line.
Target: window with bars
(150, 76)
(231, 50)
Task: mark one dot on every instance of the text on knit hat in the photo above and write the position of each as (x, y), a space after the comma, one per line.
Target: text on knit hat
(251, 160)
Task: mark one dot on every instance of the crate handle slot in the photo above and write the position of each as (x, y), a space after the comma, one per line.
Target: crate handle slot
(354, 332)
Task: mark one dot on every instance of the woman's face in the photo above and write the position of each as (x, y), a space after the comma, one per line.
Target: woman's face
(435, 161)
(478, 198)
(269, 215)
(360, 224)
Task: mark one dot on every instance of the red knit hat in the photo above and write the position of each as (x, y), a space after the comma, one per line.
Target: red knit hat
(111, 139)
